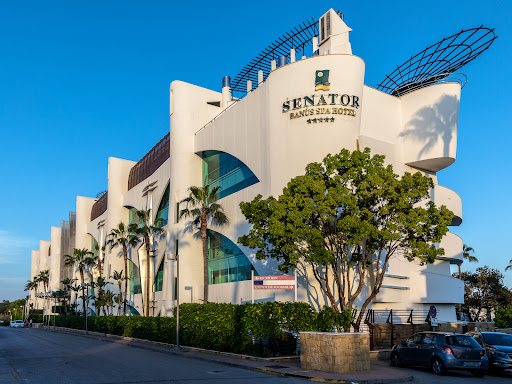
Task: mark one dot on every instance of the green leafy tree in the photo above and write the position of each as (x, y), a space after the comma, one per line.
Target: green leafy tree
(146, 230)
(503, 317)
(125, 237)
(82, 259)
(202, 209)
(345, 218)
(484, 293)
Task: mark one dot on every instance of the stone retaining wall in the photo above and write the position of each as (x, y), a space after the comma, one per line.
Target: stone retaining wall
(335, 352)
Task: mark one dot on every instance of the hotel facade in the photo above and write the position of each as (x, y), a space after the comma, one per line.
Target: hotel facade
(292, 111)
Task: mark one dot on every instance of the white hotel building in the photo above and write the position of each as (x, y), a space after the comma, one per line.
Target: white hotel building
(254, 145)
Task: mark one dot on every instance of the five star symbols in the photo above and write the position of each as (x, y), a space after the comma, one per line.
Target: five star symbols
(321, 120)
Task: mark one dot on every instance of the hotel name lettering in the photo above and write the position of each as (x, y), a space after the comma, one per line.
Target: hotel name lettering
(328, 104)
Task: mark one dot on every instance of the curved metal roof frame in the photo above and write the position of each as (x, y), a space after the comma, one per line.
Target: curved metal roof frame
(438, 61)
(298, 38)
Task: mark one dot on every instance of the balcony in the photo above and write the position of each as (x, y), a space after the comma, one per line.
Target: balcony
(445, 196)
(452, 245)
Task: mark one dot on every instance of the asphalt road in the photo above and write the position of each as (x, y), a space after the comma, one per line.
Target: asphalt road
(39, 356)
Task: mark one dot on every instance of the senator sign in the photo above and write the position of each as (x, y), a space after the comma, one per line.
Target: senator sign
(316, 107)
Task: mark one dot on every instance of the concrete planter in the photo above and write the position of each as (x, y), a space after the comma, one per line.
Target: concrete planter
(335, 352)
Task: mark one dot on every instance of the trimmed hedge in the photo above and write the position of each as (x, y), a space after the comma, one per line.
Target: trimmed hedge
(258, 329)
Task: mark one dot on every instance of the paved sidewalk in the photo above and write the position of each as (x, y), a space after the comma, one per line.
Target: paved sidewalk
(380, 371)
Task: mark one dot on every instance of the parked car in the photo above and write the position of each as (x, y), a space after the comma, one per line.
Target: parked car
(17, 324)
(441, 351)
(498, 347)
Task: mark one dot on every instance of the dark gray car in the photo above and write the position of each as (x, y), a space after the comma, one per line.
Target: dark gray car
(498, 347)
(441, 351)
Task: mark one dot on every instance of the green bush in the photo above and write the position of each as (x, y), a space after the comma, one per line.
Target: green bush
(259, 329)
(503, 317)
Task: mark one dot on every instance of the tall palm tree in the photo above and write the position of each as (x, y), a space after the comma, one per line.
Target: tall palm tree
(509, 266)
(466, 254)
(202, 209)
(146, 230)
(68, 284)
(44, 277)
(125, 237)
(118, 277)
(81, 258)
(31, 285)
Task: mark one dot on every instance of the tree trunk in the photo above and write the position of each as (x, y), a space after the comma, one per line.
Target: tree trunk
(459, 271)
(83, 294)
(205, 258)
(125, 253)
(146, 305)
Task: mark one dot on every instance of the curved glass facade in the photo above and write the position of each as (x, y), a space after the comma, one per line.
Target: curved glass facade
(163, 208)
(159, 278)
(132, 311)
(134, 273)
(226, 262)
(224, 170)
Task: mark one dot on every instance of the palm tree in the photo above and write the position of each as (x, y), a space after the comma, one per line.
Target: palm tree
(82, 258)
(31, 285)
(68, 284)
(123, 236)
(467, 256)
(509, 266)
(146, 230)
(118, 277)
(44, 277)
(202, 209)
(101, 283)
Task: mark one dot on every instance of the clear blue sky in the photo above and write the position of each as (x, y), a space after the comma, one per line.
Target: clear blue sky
(84, 80)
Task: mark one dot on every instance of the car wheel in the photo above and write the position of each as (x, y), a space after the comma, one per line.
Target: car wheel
(438, 367)
(479, 373)
(396, 361)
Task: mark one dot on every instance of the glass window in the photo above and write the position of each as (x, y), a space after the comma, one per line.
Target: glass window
(226, 171)
(163, 208)
(226, 262)
(429, 338)
(133, 271)
(159, 279)
(133, 218)
(478, 339)
(132, 311)
(415, 339)
(461, 341)
(497, 339)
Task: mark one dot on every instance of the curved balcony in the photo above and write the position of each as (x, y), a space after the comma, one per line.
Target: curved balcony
(429, 132)
(445, 196)
(452, 245)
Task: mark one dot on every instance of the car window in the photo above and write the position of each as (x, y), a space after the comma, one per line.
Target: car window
(414, 339)
(429, 338)
(461, 341)
(497, 339)
(478, 339)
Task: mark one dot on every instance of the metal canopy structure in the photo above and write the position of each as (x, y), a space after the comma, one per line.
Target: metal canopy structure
(299, 38)
(436, 63)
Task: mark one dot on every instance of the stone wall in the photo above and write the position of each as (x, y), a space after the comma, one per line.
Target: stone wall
(335, 352)
(386, 335)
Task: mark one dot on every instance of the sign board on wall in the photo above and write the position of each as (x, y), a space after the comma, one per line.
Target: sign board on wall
(282, 282)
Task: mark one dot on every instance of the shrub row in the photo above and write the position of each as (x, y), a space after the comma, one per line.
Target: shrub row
(258, 329)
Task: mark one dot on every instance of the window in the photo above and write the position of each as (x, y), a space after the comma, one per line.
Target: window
(227, 172)
(134, 273)
(159, 278)
(133, 218)
(226, 262)
(415, 339)
(163, 208)
(461, 341)
(132, 311)
(429, 338)
(497, 339)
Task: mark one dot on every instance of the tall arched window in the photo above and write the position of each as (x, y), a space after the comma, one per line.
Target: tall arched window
(159, 278)
(163, 208)
(226, 262)
(134, 274)
(226, 171)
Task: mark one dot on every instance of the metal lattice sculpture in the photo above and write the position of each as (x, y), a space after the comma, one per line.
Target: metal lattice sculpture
(299, 38)
(439, 61)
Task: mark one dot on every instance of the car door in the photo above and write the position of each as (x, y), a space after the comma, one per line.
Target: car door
(425, 349)
(408, 351)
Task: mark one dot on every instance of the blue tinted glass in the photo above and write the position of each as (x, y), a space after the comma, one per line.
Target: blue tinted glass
(159, 279)
(226, 262)
(163, 209)
(133, 271)
(226, 171)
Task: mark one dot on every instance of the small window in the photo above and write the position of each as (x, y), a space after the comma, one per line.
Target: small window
(429, 338)
(478, 339)
(415, 339)
(461, 341)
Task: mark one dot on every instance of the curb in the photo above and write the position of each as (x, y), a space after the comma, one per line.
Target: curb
(139, 343)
